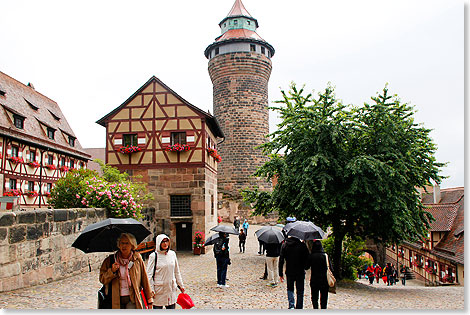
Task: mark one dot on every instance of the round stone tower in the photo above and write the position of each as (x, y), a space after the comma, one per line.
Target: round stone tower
(240, 67)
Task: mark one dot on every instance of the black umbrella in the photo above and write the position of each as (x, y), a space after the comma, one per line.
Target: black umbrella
(270, 235)
(304, 230)
(211, 239)
(225, 229)
(102, 236)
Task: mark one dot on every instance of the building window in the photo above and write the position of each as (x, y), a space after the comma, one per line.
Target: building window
(235, 22)
(50, 159)
(18, 121)
(252, 47)
(180, 206)
(71, 141)
(263, 51)
(212, 205)
(48, 187)
(50, 133)
(178, 137)
(32, 156)
(129, 139)
(14, 151)
(62, 161)
(30, 186)
(12, 183)
(216, 51)
(72, 164)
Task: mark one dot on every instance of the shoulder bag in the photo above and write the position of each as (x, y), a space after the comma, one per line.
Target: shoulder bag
(105, 300)
(329, 276)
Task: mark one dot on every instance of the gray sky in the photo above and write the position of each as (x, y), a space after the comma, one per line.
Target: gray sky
(90, 56)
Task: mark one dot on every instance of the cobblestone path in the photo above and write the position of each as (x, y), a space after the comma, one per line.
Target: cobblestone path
(246, 291)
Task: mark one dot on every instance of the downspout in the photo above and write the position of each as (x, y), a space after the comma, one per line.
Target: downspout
(40, 178)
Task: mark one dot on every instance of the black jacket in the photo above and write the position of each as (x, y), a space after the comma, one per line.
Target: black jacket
(218, 244)
(317, 261)
(242, 237)
(272, 250)
(295, 253)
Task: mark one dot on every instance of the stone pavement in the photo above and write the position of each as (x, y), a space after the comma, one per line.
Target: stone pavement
(246, 290)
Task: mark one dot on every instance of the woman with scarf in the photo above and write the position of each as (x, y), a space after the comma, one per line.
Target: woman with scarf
(164, 275)
(124, 274)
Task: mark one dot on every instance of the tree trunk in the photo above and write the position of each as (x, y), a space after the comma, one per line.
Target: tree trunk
(337, 251)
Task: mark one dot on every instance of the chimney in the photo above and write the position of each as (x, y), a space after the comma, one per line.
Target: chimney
(31, 85)
(437, 193)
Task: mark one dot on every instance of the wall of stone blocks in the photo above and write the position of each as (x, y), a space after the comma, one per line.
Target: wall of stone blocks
(35, 246)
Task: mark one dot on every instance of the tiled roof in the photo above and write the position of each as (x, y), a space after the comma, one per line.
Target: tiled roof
(37, 109)
(239, 33)
(444, 216)
(238, 9)
(96, 153)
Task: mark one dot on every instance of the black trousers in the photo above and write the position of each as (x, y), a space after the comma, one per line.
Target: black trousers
(168, 307)
(323, 296)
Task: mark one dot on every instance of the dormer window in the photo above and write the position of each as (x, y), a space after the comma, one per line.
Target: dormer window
(55, 116)
(31, 105)
(71, 141)
(50, 133)
(2, 93)
(235, 22)
(18, 121)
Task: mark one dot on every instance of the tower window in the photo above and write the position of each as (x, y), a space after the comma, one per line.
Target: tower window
(235, 22)
(248, 22)
(216, 51)
(263, 50)
(225, 24)
(178, 137)
(18, 121)
(252, 47)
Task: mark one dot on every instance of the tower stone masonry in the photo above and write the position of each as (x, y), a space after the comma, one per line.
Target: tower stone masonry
(240, 67)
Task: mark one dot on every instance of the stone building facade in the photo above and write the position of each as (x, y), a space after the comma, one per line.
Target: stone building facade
(240, 67)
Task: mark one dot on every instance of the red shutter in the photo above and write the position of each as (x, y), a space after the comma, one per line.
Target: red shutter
(166, 139)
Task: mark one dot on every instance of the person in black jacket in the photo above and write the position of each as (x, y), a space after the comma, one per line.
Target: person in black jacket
(272, 262)
(241, 240)
(222, 257)
(318, 281)
(295, 253)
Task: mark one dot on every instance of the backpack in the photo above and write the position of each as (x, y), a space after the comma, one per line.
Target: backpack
(105, 301)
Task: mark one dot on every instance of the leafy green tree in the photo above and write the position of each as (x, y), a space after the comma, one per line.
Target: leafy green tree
(355, 169)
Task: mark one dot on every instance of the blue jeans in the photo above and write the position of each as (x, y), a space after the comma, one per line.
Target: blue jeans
(298, 281)
(221, 269)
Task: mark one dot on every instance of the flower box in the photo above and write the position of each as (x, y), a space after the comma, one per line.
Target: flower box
(51, 167)
(198, 243)
(33, 164)
(214, 154)
(31, 194)
(11, 193)
(178, 148)
(46, 194)
(129, 149)
(16, 159)
(64, 169)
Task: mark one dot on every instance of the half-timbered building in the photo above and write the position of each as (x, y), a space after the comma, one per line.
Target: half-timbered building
(37, 145)
(439, 258)
(172, 144)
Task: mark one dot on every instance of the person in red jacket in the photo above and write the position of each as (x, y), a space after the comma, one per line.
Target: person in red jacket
(378, 272)
(370, 273)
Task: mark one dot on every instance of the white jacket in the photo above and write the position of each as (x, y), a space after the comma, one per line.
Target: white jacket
(167, 275)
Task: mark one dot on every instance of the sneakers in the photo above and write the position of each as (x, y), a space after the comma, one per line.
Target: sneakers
(225, 286)
(272, 285)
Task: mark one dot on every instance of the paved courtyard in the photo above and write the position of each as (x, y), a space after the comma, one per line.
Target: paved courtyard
(246, 291)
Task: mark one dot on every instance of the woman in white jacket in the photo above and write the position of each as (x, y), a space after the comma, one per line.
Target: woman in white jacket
(166, 278)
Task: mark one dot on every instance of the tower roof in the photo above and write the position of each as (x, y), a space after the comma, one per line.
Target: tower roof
(239, 10)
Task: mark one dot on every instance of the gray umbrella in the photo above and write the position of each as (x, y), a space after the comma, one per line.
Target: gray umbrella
(225, 229)
(304, 230)
(211, 239)
(270, 235)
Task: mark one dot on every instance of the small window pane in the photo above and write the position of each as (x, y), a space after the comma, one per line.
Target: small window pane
(178, 137)
(19, 121)
(50, 133)
(130, 140)
(30, 186)
(12, 183)
(180, 206)
(72, 141)
(252, 48)
(32, 156)
(50, 159)
(14, 151)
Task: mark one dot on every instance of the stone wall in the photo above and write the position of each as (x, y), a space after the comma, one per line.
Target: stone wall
(35, 246)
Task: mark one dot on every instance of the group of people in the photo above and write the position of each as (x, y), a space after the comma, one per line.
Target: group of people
(124, 274)
(389, 274)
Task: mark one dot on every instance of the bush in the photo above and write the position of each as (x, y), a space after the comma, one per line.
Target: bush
(65, 190)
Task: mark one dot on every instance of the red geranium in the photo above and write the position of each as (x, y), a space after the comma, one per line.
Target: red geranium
(214, 154)
(178, 148)
(11, 193)
(16, 159)
(129, 149)
(33, 164)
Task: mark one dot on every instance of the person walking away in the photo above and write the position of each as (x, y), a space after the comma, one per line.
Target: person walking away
(318, 281)
(164, 275)
(262, 248)
(389, 273)
(378, 272)
(245, 227)
(371, 274)
(403, 274)
(295, 253)
(236, 223)
(241, 240)
(124, 273)
(222, 257)
(273, 251)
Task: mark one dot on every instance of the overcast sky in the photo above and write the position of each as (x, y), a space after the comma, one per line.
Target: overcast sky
(90, 56)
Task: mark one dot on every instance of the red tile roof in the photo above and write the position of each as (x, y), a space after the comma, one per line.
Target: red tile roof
(239, 33)
(37, 109)
(444, 216)
(238, 9)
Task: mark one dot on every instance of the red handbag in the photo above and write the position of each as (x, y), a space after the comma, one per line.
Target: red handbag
(185, 301)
